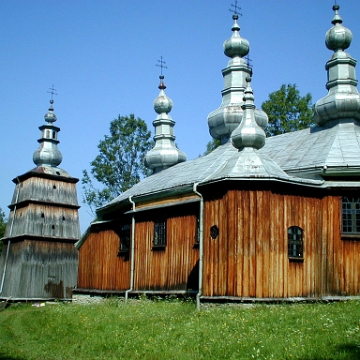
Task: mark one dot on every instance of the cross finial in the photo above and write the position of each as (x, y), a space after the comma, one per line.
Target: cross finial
(162, 64)
(235, 8)
(52, 92)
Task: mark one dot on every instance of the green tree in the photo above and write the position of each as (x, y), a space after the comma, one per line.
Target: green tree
(212, 145)
(120, 163)
(287, 110)
(2, 227)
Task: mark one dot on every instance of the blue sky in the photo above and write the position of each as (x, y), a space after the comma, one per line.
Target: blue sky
(100, 55)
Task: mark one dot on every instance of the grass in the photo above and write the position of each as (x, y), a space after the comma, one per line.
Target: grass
(146, 329)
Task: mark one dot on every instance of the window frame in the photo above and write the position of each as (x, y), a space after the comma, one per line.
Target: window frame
(160, 233)
(124, 239)
(350, 217)
(295, 243)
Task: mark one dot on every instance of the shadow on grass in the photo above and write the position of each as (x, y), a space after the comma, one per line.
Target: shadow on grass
(7, 357)
(345, 351)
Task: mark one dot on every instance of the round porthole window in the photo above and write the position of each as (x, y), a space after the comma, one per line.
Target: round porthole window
(214, 231)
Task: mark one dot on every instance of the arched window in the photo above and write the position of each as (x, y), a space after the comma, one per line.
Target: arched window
(295, 242)
(350, 215)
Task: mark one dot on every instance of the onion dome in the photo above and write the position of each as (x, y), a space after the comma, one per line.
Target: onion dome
(236, 46)
(224, 120)
(338, 37)
(248, 133)
(48, 153)
(343, 99)
(165, 153)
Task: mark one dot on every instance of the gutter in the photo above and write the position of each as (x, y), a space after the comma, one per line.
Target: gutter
(201, 244)
(132, 261)
(9, 241)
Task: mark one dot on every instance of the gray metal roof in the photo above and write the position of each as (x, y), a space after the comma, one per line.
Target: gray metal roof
(225, 162)
(318, 151)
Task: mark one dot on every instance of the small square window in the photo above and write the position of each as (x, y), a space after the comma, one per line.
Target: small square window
(295, 242)
(159, 233)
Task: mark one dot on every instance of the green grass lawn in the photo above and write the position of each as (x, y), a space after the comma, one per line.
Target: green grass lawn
(146, 329)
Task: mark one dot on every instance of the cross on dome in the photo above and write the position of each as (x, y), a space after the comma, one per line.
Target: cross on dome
(235, 8)
(161, 65)
(52, 92)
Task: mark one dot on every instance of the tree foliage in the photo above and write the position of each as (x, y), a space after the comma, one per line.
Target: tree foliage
(212, 145)
(287, 110)
(120, 163)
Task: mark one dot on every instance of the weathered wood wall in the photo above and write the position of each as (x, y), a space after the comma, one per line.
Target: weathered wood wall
(249, 258)
(176, 266)
(39, 269)
(100, 267)
(45, 221)
(47, 190)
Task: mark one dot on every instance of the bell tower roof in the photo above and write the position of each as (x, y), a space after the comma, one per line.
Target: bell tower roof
(48, 153)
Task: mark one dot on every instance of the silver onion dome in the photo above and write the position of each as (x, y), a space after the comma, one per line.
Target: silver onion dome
(165, 153)
(248, 133)
(343, 99)
(236, 45)
(338, 37)
(227, 117)
(162, 103)
(48, 153)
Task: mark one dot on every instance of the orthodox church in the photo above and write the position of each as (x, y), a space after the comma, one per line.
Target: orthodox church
(256, 219)
(39, 260)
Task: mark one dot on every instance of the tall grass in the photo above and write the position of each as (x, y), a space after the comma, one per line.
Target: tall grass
(146, 329)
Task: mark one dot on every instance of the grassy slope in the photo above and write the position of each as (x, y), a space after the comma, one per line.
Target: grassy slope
(174, 330)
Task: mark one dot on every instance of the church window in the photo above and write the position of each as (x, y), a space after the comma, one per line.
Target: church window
(159, 233)
(124, 238)
(295, 242)
(350, 216)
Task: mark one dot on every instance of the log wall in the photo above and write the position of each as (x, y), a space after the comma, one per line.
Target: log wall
(249, 258)
(174, 267)
(100, 267)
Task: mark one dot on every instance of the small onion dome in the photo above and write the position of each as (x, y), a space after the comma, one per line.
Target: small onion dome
(162, 103)
(236, 46)
(50, 117)
(164, 154)
(338, 37)
(248, 133)
(47, 154)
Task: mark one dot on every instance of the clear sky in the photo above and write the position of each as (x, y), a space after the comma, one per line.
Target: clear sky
(100, 55)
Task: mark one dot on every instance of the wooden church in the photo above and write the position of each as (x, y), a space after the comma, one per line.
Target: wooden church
(256, 219)
(39, 260)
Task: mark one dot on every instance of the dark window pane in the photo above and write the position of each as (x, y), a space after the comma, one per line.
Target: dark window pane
(295, 242)
(160, 233)
(350, 215)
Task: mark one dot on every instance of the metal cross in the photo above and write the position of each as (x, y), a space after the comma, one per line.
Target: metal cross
(52, 91)
(248, 61)
(161, 65)
(235, 8)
